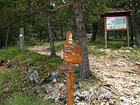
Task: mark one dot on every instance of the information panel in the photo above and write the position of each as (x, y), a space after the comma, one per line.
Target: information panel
(116, 23)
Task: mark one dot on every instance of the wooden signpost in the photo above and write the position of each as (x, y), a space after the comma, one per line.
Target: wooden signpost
(71, 55)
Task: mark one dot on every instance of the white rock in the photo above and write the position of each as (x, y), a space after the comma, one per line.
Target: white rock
(102, 50)
(124, 99)
(124, 51)
(85, 93)
(134, 46)
(92, 89)
(77, 93)
(81, 104)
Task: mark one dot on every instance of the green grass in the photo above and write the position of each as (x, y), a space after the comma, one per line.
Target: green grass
(96, 52)
(134, 54)
(12, 79)
(112, 43)
(9, 53)
(112, 57)
(19, 99)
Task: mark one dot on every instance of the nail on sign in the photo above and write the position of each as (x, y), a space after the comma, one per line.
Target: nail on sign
(69, 58)
(68, 68)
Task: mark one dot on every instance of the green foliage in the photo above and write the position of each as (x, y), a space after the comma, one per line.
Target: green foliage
(19, 99)
(133, 54)
(97, 52)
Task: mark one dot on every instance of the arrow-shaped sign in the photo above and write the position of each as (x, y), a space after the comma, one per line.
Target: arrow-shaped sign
(69, 48)
(69, 58)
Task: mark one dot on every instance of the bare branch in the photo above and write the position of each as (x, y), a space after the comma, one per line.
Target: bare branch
(37, 8)
(62, 6)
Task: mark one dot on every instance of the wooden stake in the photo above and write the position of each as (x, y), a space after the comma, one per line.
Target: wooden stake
(105, 32)
(128, 31)
(70, 88)
(69, 76)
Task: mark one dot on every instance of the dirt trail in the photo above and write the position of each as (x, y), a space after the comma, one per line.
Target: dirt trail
(114, 70)
(119, 73)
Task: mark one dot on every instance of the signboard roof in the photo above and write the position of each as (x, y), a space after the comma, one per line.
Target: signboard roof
(117, 12)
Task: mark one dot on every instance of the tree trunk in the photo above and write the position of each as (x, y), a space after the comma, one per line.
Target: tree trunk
(21, 39)
(6, 41)
(94, 32)
(84, 71)
(134, 24)
(62, 37)
(53, 54)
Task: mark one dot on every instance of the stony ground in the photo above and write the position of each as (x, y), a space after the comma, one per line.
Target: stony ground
(120, 73)
(117, 71)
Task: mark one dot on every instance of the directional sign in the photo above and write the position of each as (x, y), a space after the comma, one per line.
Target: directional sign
(69, 58)
(69, 37)
(68, 68)
(69, 48)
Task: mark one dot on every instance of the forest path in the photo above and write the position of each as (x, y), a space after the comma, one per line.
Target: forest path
(115, 69)
(120, 73)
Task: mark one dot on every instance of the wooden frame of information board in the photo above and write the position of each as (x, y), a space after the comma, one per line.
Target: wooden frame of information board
(119, 20)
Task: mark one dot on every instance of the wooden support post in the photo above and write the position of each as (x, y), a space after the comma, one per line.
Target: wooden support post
(105, 33)
(70, 88)
(69, 76)
(128, 43)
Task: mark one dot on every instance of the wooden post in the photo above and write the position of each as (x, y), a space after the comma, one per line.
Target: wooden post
(105, 32)
(69, 77)
(70, 88)
(127, 19)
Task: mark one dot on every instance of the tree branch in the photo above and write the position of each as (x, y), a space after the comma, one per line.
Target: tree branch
(37, 8)
(62, 6)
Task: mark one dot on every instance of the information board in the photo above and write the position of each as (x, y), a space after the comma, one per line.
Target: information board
(116, 23)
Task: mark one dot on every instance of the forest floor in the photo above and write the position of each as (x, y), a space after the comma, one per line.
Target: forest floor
(118, 68)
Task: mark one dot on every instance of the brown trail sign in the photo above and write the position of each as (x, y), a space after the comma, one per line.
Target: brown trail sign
(69, 48)
(69, 58)
(68, 68)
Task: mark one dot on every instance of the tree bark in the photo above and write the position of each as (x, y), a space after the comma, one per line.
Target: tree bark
(6, 41)
(21, 39)
(94, 32)
(53, 54)
(62, 37)
(84, 71)
(134, 24)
